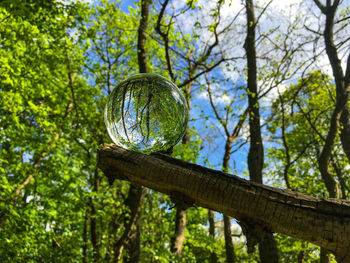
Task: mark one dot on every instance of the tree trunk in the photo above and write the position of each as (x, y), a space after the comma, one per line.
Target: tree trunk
(340, 113)
(186, 139)
(93, 221)
(141, 41)
(301, 256)
(93, 232)
(180, 218)
(131, 235)
(324, 256)
(345, 130)
(85, 241)
(213, 256)
(180, 229)
(256, 151)
(324, 222)
(133, 246)
(267, 248)
(230, 251)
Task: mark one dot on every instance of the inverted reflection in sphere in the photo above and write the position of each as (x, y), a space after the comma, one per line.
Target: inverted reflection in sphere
(146, 113)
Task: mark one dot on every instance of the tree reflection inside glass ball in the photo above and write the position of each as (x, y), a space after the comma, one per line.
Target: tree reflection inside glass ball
(146, 113)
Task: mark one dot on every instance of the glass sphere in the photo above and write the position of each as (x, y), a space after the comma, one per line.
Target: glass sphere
(146, 113)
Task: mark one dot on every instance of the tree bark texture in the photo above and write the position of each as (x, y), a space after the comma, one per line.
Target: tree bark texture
(180, 229)
(256, 151)
(85, 239)
(301, 256)
(324, 256)
(131, 235)
(267, 248)
(181, 216)
(230, 251)
(93, 231)
(133, 247)
(141, 42)
(93, 222)
(322, 221)
(213, 256)
(345, 130)
(163, 29)
(340, 114)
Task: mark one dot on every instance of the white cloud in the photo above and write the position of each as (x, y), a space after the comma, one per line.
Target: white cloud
(270, 97)
(284, 5)
(217, 99)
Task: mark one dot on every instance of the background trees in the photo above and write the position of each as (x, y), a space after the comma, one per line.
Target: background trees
(60, 59)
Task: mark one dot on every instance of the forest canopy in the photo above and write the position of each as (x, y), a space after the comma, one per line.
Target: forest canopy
(267, 86)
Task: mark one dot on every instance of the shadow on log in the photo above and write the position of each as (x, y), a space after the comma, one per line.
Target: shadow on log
(322, 221)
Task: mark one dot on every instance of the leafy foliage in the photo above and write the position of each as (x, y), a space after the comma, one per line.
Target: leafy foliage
(59, 60)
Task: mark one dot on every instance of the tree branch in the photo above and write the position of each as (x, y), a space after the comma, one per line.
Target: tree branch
(223, 123)
(320, 6)
(322, 221)
(165, 37)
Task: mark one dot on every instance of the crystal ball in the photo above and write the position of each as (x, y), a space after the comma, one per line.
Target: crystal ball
(146, 113)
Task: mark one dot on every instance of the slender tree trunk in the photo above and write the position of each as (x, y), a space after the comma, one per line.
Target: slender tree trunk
(180, 218)
(130, 238)
(85, 240)
(186, 139)
(180, 229)
(324, 256)
(131, 235)
(301, 256)
(345, 130)
(267, 247)
(340, 114)
(93, 231)
(93, 219)
(256, 151)
(142, 36)
(333, 192)
(133, 246)
(193, 66)
(213, 256)
(230, 251)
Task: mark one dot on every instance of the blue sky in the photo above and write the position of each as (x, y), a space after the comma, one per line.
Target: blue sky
(214, 151)
(126, 3)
